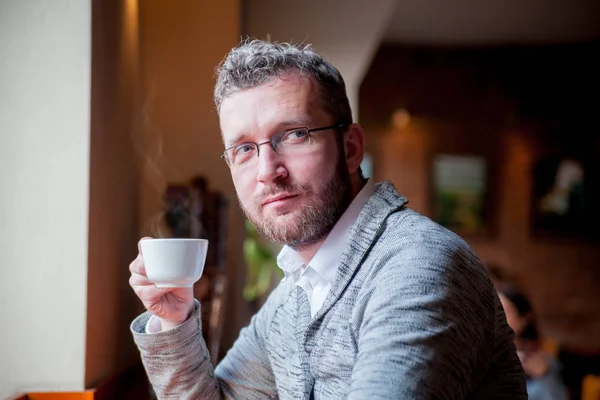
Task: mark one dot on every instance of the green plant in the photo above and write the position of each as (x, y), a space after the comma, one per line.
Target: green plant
(262, 265)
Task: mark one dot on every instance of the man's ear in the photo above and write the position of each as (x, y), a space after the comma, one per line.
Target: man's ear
(354, 147)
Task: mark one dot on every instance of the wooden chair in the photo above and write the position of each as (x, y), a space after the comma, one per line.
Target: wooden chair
(192, 209)
(591, 388)
(210, 291)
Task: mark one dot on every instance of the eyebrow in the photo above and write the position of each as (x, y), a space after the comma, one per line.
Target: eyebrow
(296, 123)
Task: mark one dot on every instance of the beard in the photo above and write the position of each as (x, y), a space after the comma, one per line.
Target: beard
(313, 221)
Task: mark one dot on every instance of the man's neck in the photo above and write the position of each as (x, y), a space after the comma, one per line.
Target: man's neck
(307, 253)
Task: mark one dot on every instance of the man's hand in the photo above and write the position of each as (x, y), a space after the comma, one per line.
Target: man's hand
(171, 305)
(535, 364)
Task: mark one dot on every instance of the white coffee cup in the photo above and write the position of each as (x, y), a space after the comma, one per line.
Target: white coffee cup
(174, 262)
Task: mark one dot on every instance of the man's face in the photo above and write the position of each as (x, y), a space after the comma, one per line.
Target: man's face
(293, 199)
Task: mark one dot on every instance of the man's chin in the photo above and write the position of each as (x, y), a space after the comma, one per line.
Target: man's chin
(282, 228)
(275, 216)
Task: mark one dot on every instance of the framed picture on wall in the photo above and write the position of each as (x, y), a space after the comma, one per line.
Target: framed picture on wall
(459, 185)
(566, 194)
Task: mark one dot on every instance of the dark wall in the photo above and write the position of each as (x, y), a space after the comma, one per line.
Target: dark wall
(516, 107)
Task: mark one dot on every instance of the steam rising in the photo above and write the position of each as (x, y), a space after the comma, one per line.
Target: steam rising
(148, 143)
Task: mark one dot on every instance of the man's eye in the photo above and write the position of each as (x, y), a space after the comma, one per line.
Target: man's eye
(298, 135)
(243, 149)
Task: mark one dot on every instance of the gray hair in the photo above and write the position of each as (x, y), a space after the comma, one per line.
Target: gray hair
(254, 62)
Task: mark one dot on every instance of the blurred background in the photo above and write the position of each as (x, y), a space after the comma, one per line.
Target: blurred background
(484, 114)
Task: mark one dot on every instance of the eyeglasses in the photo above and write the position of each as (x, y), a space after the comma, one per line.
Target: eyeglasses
(293, 141)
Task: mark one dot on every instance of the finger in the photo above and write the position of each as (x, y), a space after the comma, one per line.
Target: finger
(137, 266)
(140, 243)
(142, 280)
(139, 280)
(148, 293)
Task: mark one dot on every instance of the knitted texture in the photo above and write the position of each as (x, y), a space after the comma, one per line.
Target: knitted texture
(410, 315)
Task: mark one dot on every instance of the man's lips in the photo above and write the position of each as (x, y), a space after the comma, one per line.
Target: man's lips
(279, 197)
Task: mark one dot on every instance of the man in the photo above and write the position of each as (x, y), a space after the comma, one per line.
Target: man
(378, 302)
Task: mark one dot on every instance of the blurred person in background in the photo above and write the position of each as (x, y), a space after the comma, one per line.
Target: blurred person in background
(542, 369)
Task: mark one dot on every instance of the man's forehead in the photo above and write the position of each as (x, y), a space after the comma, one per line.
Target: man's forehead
(290, 97)
(288, 82)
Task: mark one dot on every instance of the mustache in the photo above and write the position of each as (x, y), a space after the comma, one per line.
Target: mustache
(277, 188)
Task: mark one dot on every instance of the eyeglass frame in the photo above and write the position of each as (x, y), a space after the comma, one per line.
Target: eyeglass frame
(337, 127)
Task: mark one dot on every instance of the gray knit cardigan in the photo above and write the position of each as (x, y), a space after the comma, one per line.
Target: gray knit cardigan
(410, 315)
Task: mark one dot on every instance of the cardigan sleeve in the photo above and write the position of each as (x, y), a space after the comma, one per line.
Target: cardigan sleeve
(428, 329)
(178, 365)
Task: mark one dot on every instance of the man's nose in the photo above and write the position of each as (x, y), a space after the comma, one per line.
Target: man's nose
(270, 165)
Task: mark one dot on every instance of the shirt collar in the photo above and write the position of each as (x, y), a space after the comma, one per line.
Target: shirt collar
(327, 257)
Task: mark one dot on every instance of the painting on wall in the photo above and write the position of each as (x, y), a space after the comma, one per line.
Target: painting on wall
(459, 192)
(566, 191)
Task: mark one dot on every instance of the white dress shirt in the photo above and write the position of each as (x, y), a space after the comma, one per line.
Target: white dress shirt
(316, 277)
